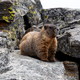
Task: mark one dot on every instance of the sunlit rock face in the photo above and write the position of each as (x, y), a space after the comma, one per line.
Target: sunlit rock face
(16, 16)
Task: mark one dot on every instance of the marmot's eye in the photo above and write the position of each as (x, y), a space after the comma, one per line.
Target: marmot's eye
(50, 27)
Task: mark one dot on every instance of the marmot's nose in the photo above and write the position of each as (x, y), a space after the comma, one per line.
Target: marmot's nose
(55, 31)
(57, 28)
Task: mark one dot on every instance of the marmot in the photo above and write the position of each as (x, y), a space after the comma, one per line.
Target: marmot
(41, 44)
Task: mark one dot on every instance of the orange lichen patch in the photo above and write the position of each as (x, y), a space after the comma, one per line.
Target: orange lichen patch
(4, 30)
(72, 74)
(67, 74)
(1, 29)
(3, 24)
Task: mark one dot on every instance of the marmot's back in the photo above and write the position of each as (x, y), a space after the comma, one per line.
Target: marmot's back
(28, 35)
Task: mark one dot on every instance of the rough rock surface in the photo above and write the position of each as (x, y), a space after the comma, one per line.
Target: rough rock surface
(5, 11)
(60, 16)
(4, 60)
(19, 13)
(69, 42)
(3, 39)
(27, 68)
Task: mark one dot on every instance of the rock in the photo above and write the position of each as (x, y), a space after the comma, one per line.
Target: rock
(59, 14)
(34, 7)
(2, 34)
(61, 17)
(3, 39)
(4, 60)
(5, 11)
(20, 13)
(28, 68)
(3, 42)
(69, 42)
(71, 68)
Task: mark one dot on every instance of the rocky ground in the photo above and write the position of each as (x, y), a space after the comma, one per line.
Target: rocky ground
(27, 68)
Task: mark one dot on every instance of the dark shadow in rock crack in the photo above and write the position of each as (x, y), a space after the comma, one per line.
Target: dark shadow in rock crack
(63, 57)
(26, 22)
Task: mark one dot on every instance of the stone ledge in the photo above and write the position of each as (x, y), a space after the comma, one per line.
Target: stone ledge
(28, 68)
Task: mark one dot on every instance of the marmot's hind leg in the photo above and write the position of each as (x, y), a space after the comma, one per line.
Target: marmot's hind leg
(21, 48)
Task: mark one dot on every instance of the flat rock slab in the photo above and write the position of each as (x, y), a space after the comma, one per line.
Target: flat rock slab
(28, 68)
(69, 42)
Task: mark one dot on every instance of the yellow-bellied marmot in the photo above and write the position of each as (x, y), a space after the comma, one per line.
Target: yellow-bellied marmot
(41, 44)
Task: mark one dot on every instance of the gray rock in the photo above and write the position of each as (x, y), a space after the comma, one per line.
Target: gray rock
(4, 60)
(69, 42)
(20, 8)
(62, 17)
(10, 44)
(27, 68)
(15, 13)
(2, 34)
(3, 42)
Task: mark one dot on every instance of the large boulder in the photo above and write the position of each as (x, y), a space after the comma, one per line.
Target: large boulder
(69, 42)
(18, 14)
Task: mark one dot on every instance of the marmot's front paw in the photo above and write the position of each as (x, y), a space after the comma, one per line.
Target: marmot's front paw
(52, 59)
(44, 59)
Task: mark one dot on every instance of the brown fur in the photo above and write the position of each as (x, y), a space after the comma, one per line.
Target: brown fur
(41, 44)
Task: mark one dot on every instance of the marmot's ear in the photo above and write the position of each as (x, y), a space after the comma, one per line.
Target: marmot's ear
(45, 27)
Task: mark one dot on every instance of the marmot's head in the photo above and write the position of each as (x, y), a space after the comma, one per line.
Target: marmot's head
(51, 30)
